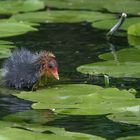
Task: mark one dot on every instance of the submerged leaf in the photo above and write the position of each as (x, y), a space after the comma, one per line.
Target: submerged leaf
(31, 116)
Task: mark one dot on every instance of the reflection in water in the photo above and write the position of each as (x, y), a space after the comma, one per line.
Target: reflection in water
(31, 116)
(10, 104)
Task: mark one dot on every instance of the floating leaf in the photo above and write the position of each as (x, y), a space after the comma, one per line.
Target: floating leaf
(24, 22)
(124, 55)
(15, 6)
(134, 41)
(129, 138)
(134, 29)
(131, 117)
(123, 63)
(73, 4)
(14, 28)
(5, 42)
(14, 131)
(82, 99)
(5, 47)
(109, 23)
(62, 16)
(111, 68)
(120, 6)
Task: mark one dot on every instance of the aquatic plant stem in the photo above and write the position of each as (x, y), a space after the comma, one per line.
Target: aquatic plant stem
(116, 26)
(106, 80)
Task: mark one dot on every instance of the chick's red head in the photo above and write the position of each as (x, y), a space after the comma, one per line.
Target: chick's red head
(49, 65)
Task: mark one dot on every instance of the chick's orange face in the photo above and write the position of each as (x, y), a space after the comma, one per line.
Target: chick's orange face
(51, 68)
(49, 65)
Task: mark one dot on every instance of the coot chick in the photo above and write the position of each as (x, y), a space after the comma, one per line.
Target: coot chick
(24, 69)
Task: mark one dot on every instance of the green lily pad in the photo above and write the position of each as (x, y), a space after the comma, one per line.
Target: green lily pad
(5, 47)
(124, 55)
(134, 29)
(123, 63)
(109, 23)
(134, 41)
(112, 68)
(130, 117)
(5, 42)
(14, 28)
(62, 16)
(32, 24)
(13, 131)
(119, 6)
(129, 138)
(73, 4)
(15, 6)
(82, 99)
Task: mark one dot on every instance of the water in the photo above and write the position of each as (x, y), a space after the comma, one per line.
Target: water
(74, 45)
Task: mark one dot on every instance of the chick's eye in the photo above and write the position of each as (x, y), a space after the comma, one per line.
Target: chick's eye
(50, 66)
(43, 66)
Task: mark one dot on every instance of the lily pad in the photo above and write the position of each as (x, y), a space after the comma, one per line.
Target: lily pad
(130, 117)
(129, 138)
(112, 68)
(134, 29)
(15, 6)
(62, 16)
(119, 6)
(13, 131)
(32, 24)
(14, 28)
(73, 4)
(5, 42)
(134, 41)
(123, 63)
(82, 99)
(109, 23)
(124, 55)
(5, 47)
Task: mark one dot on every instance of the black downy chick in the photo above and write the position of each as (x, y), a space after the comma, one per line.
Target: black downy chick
(24, 69)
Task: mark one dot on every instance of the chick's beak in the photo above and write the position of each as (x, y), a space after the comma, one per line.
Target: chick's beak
(55, 74)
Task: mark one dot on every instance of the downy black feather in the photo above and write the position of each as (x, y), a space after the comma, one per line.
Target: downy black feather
(21, 70)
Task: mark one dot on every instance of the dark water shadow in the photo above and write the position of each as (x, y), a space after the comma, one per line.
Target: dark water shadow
(10, 104)
(98, 125)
